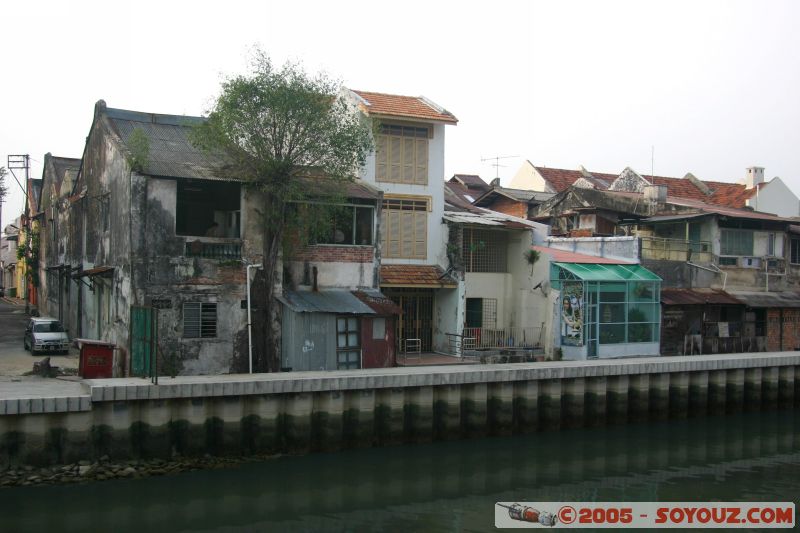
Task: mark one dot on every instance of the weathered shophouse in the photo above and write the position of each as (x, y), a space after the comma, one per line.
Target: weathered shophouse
(162, 231)
(56, 288)
(408, 167)
(492, 252)
(695, 246)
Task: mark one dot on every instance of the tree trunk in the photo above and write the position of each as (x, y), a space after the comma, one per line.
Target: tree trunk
(270, 358)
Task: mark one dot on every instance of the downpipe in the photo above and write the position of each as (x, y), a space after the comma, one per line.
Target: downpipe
(249, 321)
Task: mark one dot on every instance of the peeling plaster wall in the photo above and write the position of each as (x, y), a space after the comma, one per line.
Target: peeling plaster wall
(171, 279)
(106, 223)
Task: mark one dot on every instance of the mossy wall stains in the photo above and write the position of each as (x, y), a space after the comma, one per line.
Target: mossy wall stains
(335, 420)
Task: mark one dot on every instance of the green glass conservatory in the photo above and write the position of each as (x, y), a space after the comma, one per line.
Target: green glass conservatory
(606, 310)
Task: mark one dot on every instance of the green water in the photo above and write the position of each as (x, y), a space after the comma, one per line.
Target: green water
(445, 486)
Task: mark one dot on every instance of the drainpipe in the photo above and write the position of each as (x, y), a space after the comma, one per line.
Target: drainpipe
(249, 323)
(715, 269)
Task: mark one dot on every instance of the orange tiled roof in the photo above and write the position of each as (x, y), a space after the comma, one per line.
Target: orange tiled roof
(404, 106)
(561, 179)
(414, 276)
(723, 194)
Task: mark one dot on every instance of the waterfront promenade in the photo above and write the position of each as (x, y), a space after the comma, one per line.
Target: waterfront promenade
(61, 420)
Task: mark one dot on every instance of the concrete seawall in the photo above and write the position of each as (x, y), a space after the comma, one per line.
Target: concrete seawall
(315, 411)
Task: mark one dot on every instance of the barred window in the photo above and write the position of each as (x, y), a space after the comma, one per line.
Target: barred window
(736, 242)
(794, 255)
(485, 250)
(402, 154)
(199, 320)
(348, 343)
(404, 228)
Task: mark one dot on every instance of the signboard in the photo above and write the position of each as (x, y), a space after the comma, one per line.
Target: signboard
(572, 313)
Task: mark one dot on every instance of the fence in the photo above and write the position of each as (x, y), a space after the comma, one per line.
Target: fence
(659, 248)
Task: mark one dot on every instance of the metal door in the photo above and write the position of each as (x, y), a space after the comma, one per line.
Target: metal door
(416, 321)
(144, 336)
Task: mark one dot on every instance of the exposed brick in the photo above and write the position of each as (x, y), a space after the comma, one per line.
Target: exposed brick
(335, 254)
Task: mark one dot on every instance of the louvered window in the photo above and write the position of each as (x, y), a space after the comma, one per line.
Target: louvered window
(402, 154)
(199, 320)
(404, 228)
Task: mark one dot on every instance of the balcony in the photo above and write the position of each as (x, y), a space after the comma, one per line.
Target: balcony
(223, 249)
(661, 249)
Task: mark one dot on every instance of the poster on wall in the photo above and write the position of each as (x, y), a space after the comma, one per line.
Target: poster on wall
(572, 313)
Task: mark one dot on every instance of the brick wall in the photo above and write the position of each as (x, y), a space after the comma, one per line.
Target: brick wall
(510, 207)
(791, 332)
(335, 254)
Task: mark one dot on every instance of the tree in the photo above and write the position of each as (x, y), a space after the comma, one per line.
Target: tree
(274, 128)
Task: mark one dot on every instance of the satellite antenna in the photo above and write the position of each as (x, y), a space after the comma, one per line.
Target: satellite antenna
(496, 163)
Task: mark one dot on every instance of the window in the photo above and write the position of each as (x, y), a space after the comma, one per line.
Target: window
(352, 225)
(207, 208)
(378, 329)
(199, 320)
(728, 261)
(482, 313)
(794, 253)
(404, 224)
(771, 245)
(485, 250)
(348, 343)
(736, 242)
(402, 154)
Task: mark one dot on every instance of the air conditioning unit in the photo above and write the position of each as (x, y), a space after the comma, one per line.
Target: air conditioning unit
(751, 262)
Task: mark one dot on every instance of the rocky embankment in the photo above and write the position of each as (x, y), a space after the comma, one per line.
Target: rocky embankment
(105, 469)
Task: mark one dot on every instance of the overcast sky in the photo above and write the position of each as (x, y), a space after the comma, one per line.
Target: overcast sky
(712, 85)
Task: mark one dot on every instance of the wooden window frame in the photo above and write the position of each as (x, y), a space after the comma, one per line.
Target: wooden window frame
(411, 213)
(395, 137)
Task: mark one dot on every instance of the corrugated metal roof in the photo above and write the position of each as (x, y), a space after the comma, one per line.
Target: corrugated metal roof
(170, 153)
(697, 297)
(489, 218)
(666, 218)
(606, 272)
(332, 301)
(378, 302)
(768, 299)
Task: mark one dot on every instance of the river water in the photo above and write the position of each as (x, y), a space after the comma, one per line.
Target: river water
(444, 486)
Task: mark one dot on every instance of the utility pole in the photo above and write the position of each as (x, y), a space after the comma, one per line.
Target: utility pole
(23, 162)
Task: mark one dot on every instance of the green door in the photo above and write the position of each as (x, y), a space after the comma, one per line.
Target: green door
(144, 327)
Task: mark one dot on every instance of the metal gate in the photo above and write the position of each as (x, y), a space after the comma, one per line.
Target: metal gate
(144, 339)
(416, 322)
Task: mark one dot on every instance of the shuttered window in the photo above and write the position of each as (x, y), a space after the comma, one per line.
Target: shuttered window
(404, 226)
(199, 320)
(402, 154)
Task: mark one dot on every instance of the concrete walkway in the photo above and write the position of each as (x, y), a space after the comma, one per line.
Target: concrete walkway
(80, 393)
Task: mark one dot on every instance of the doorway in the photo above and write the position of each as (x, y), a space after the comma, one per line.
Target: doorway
(416, 321)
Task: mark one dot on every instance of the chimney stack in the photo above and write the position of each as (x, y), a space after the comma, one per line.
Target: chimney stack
(754, 176)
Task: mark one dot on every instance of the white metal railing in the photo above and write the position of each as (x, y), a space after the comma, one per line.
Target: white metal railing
(412, 346)
(510, 337)
(458, 343)
(660, 248)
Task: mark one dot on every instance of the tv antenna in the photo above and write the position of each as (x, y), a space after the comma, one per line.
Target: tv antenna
(496, 163)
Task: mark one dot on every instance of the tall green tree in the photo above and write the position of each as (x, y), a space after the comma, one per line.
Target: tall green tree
(275, 128)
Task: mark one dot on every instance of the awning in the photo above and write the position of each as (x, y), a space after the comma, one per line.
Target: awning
(606, 272)
(379, 303)
(96, 271)
(419, 276)
(697, 297)
(673, 218)
(334, 301)
(768, 299)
